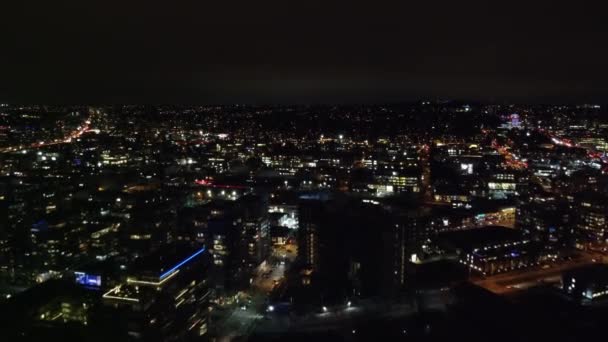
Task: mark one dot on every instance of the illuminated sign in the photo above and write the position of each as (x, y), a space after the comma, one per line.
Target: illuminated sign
(87, 279)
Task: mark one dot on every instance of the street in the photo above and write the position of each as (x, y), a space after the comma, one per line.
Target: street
(242, 318)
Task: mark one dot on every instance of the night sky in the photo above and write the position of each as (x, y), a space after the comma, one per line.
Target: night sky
(285, 52)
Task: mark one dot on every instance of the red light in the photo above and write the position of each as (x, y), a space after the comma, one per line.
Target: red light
(222, 186)
(202, 182)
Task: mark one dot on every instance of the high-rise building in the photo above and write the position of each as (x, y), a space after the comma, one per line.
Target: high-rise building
(255, 238)
(360, 246)
(592, 213)
(166, 294)
(311, 215)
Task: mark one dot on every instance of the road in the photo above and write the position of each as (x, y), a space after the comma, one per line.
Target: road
(79, 131)
(511, 160)
(240, 320)
(268, 276)
(338, 318)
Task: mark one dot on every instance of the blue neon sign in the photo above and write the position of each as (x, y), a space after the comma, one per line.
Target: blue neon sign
(87, 279)
(164, 275)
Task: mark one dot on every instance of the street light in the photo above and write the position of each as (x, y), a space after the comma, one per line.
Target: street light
(270, 308)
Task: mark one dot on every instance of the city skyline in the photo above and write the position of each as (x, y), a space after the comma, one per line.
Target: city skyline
(432, 220)
(302, 171)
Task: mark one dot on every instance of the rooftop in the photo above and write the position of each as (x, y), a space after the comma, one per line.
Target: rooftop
(166, 261)
(480, 237)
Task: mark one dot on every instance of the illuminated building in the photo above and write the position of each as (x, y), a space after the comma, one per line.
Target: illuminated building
(548, 222)
(218, 163)
(447, 220)
(148, 221)
(592, 213)
(256, 230)
(166, 294)
(310, 215)
(49, 305)
(279, 235)
(396, 158)
(409, 242)
(220, 228)
(237, 234)
(451, 193)
(360, 245)
(514, 121)
(502, 185)
(285, 215)
(394, 182)
(586, 284)
(491, 250)
(114, 158)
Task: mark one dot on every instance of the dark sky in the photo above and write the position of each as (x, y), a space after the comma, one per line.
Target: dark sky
(301, 52)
